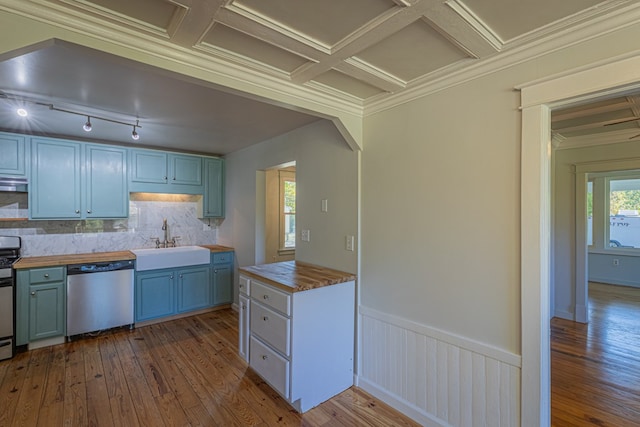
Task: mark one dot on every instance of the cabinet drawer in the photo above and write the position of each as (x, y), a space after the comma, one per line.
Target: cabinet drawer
(46, 275)
(271, 297)
(271, 327)
(270, 366)
(222, 257)
(245, 285)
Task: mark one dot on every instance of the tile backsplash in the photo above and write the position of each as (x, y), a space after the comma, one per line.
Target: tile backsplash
(146, 213)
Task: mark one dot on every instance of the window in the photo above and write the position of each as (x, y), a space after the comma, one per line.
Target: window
(287, 211)
(624, 208)
(590, 213)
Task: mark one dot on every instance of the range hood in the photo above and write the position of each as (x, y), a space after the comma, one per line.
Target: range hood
(13, 184)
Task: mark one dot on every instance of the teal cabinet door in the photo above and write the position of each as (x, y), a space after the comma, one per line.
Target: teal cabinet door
(46, 310)
(149, 166)
(194, 291)
(13, 155)
(186, 169)
(106, 189)
(154, 294)
(222, 277)
(55, 179)
(213, 197)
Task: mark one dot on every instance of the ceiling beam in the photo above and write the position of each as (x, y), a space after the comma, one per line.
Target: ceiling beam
(189, 30)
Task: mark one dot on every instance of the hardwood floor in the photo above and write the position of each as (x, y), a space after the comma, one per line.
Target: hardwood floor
(595, 368)
(177, 373)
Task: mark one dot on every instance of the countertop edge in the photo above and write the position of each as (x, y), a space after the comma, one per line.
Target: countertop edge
(337, 277)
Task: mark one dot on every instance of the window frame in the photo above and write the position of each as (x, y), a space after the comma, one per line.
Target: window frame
(285, 176)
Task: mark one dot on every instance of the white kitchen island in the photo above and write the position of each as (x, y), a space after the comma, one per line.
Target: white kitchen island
(297, 329)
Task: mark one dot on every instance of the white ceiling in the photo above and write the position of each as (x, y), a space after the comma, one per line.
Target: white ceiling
(356, 51)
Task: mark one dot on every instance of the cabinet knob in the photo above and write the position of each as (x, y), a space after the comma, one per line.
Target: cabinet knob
(215, 271)
(180, 276)
(171, 277)
(33, 293)
(77, 210)
(46, 275)
(165, 178)
(88, 211)
(244, 306)
(174, 178)
(264, 357)
(265, 296)
(265, 318)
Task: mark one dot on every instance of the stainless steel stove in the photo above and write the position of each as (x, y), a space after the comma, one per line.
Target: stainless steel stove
(9, 253)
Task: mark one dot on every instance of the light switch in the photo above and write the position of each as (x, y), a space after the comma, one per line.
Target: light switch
(349, 243)
(325, 204)
(306, 235)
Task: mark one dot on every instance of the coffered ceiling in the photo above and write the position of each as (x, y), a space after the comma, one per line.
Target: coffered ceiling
(357, 52)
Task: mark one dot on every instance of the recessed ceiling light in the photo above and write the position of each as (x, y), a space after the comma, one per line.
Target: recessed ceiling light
(22, 112)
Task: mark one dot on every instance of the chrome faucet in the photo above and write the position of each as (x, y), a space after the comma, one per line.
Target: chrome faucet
(165, 228)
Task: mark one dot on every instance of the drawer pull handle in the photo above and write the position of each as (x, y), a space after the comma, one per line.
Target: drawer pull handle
(264, 357)
(244, 306)
(265, 318)
(265, 296)
(46, 275)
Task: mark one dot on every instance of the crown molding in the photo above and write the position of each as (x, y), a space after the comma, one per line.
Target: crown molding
(616, 137)
(598, 24)
(231, 74)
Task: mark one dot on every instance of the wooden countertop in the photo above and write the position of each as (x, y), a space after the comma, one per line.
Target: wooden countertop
(58, 260)
(296, 276)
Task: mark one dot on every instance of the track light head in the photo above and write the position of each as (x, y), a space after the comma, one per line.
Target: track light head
(134, 134)
(87, 126)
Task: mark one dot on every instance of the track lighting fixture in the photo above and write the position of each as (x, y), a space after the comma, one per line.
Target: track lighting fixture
(22, 112)
(134, 134)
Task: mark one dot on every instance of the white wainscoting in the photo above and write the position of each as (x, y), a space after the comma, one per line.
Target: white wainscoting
(438, 379)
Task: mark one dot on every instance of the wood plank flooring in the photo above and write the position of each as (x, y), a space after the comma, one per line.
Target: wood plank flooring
(184, 372)
(595, 367)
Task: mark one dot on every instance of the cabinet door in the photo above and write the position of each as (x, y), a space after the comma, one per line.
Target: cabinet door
(154, 295)
(55, 179)
(13, 160)
(149, 166)
(222, 284)
(107, 193)
(243, 328)
(194, 291)
(213, 198)
(186, 170)
(46, 311)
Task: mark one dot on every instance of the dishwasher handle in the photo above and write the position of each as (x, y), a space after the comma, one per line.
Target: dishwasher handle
(98, 267)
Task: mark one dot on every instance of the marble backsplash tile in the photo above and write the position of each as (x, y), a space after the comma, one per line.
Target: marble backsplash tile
(146, 215)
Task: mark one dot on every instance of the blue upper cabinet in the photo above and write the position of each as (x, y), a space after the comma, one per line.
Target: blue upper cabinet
(54, 191)
(70, 180)
(13, 155)
(106, 193)
(212, 205)
(162, 172)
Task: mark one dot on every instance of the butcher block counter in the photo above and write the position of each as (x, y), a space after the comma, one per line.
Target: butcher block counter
(58, 260)
(296, 329)
(218, 248)
(296, 276)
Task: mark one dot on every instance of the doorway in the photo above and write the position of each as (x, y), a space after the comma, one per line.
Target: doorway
(537, 101)
(280, 213)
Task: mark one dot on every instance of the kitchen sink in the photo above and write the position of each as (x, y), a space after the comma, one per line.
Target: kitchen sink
(153, 259)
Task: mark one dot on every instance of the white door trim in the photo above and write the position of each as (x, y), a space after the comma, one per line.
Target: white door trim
(537, 100)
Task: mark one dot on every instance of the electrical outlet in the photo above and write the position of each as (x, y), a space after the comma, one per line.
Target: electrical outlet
(349, 243)
(306, 235)
(616, 262)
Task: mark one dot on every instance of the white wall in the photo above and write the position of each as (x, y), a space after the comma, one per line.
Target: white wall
(326, 168)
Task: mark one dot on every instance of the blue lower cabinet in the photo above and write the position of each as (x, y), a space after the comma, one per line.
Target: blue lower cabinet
(194, 292)
(222, 277)
(162, 293)
(155, 294)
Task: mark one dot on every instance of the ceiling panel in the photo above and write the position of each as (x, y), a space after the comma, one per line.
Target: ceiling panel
(241, 44)
(347, 84)
(509, 18)
(158, 13)
(326, 21)
(412, 52)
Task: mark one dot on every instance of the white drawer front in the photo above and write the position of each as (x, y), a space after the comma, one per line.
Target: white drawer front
(273, 298)
(272, 327)
(270, 366)
(245, 285)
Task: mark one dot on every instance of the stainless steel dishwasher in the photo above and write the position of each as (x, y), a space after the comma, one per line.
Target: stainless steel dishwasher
(99, 296)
